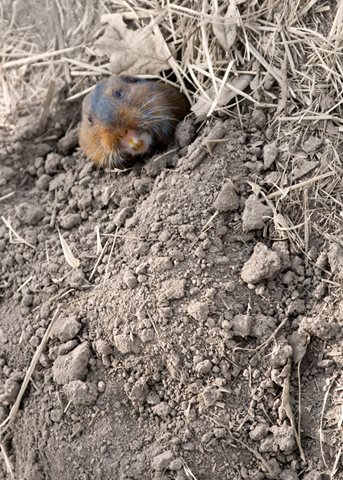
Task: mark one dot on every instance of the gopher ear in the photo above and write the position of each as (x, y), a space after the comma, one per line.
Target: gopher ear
(129, 79)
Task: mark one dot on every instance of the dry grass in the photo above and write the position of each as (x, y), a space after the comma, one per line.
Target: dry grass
(14, 410)
(37, 47)
(283, 58)
(14, 237)
(321, 434)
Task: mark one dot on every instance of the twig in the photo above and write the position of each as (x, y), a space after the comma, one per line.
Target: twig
(305, 183)
(322, 418)
(14, 410)
(17, 236)
(5, 197)
(7, 461)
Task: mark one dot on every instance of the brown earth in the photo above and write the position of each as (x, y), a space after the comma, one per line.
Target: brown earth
(172, 356)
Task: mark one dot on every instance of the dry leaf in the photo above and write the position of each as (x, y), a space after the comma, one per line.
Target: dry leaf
(299, 344)
(303, 168)
(286, 407)
(256, 189)
(225, 28)
(133, 52)
(230, 91)
(72, 261)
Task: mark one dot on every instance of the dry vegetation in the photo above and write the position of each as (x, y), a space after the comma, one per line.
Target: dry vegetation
(278, 59)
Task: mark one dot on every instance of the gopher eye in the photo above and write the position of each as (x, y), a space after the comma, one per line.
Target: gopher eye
(89, 118)
(117, 93)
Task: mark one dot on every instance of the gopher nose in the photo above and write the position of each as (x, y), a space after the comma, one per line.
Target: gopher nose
(135, 143)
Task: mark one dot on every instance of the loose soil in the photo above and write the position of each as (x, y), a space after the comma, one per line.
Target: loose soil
(190, 333)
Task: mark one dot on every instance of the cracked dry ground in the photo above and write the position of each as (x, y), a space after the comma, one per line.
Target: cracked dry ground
(177, 350)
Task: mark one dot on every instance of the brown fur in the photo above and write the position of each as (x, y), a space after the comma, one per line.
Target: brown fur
(144, 107)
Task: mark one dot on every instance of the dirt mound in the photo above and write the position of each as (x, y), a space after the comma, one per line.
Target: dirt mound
(182, 331)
